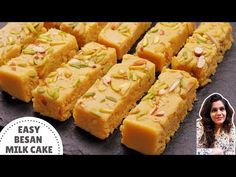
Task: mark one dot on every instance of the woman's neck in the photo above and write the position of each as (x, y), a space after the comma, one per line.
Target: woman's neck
(217, 129)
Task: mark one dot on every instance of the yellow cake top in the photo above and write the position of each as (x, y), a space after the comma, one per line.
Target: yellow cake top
(18, 33)
(106, 93)
(160, 37)
(62, 81)
(149, 112)
(195, 55)
(213, 32)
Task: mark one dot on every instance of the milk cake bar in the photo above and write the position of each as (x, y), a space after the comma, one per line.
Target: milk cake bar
(16, 35)
(204, 50)
(122, 36)
(20, 75)
(84, 32)
(163, 41)
(217, 33)
(102, 108)
(151, 124)
(56, 96)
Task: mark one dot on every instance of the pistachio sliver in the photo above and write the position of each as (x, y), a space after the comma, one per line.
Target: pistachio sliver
(77, 82)
(52, 74)
(89, 94)
(28, 51)
(31, 28)
(111, 98)
(53, 43)
(40, 89)
(104, 110)
(32, 73)
(135, 111)
(137, 67)
(53, 93)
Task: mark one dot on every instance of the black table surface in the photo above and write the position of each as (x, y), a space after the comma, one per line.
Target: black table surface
(76, 141)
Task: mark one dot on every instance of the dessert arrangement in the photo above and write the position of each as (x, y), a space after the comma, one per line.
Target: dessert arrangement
(86, 71)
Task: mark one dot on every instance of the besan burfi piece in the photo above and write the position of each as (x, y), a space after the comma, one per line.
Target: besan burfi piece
(50, 50)
(199, 59)
(122, 36)
(16, 35)
(150, 125)
(18, 78)
(163, 41)
(217, 33)
(102, 108)
(56, 96)
(84, 32)
(47, 53)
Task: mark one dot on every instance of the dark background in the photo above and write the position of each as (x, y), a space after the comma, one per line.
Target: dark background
(76, 141)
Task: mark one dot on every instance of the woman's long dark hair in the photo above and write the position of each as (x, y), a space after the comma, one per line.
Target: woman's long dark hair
(208, 124)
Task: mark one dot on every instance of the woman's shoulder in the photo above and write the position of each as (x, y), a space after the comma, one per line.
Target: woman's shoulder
(199, 123)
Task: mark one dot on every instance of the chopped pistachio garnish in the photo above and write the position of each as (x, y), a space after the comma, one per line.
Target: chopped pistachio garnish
(31, 27)
(145, 42)
(11, 40)
(53, 92)
(52, 74)
(119, 76)
(89, 94)
(99, 58)
(40, 89)
(111, 98)
(135, 111)
(94, 112)
(106, 69)
(53, 43)
(28, 51)
(104, 110)
(201, 39)
(137, 67)
(73, 24)
(169, 24)
(44, 38)
(148, 96)
(213, 40)
(153, 30)
(32, 73)
(67, 74)
(77, 82)
(141, 114)
(101, 87)
(103, 100)
(124, 30)
(87, 51)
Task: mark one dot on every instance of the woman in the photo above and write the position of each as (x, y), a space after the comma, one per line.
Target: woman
(215, 128)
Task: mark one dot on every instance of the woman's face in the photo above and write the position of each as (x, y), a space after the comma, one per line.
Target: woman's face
(218, 112)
